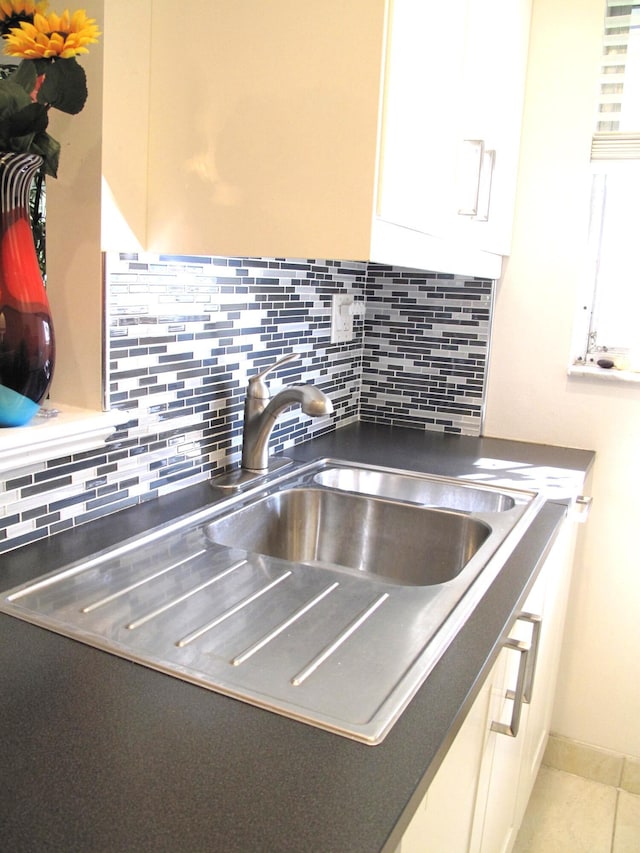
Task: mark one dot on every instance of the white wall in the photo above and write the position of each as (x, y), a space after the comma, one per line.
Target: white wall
(530, 396)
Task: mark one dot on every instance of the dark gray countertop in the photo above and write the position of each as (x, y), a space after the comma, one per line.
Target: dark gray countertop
(101, 754)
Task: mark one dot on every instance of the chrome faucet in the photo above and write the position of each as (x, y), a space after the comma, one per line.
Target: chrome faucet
(261, 412)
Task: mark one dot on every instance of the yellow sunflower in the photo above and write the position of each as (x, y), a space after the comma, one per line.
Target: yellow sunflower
(52, 35)
(21, 8)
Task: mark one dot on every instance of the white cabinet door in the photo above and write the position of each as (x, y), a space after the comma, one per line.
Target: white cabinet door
(421, 115)
(478, 797)
(496, 48)
(497, 789)
(443, 819)
(124, 125)
(452, 114)
(558, 578)
(263, 131)
(514, 761)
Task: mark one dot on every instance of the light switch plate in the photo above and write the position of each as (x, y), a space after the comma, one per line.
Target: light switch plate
(341, 318)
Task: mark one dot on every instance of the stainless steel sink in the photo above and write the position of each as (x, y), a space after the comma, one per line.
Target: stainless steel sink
(427, 491)
(395, 541)
(300, 595)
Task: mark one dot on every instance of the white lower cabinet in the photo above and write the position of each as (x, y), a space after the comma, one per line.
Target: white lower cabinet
(443, 820)
(478, 797)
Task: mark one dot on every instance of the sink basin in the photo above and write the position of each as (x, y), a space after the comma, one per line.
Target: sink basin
(398, 542)
(441, 493)
(326, 593)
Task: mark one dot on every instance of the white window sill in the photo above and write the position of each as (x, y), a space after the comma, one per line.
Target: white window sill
(72, 430)
(603, 374)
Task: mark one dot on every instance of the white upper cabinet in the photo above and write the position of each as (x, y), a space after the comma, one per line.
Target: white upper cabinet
(330, 129)
(421, 116)
(125, 122)
(495, 55)
(263, 127)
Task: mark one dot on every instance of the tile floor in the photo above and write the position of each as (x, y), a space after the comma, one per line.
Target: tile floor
(585, 800)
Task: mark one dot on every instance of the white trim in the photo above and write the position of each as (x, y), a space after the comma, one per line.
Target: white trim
(70, 431)
(400, 246)
(603, 374)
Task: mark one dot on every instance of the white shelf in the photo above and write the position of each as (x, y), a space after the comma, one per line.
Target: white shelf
(71, 430)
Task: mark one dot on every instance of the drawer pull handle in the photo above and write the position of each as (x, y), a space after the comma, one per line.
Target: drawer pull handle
(512, 728)
(532, 657)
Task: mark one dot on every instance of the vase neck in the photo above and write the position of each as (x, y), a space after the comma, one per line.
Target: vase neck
(16, 176)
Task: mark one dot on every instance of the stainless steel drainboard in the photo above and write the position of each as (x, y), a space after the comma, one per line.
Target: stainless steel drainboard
(317, 644)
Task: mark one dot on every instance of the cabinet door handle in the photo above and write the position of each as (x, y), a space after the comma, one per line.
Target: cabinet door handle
(513, 727)
(470, 159)
(582, 508)
(487, 166)
(532, 657)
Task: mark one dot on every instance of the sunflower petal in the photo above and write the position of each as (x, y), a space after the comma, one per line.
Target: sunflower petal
(51, 36)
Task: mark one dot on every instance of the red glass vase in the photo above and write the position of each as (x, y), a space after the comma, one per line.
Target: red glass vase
(27, 345)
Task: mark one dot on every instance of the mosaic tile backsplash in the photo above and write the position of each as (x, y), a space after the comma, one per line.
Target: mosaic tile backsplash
(186, 333)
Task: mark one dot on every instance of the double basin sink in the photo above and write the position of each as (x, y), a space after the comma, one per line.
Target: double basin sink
(326, 594)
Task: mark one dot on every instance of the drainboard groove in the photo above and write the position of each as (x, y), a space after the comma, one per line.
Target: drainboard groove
(196, 589)
(266, 638)
(231, 611)
(319, 659)
(108, 598)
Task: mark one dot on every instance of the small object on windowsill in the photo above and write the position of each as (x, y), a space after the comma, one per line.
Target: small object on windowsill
(607, 363)
(623, 369)
(46, 414)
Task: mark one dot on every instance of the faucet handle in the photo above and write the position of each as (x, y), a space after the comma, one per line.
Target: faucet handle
(257, 386)
(285, 358)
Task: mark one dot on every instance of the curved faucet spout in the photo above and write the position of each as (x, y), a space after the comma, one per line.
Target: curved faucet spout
(310, 398)
(259, 420)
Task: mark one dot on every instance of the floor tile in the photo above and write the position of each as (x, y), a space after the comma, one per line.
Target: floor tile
(626, 838)
(568, 814)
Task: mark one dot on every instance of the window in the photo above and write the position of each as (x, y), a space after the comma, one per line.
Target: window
(612, 324)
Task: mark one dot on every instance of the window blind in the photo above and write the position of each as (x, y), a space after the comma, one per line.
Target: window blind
(617, 131)
(615, 295)
(615, 146)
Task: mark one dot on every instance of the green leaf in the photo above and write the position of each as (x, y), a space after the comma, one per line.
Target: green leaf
(49, 150)
(30, 119)
(22, 144)
(25, 76)
(64, 86)
(12, 98)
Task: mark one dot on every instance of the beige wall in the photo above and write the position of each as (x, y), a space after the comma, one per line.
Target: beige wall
(531, 397)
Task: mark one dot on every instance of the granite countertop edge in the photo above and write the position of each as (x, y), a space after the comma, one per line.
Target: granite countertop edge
(104, 754)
